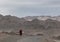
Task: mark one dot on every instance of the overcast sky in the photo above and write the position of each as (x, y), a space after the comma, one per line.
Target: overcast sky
(23, 8)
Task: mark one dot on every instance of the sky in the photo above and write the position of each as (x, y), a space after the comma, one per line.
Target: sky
(22, 8)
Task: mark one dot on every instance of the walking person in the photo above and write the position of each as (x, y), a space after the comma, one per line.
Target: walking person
(20, 32)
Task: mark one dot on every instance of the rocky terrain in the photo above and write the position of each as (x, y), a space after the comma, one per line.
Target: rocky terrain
(30, 18)
(39, 28)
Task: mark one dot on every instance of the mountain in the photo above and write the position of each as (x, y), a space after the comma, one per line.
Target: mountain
(42, 22)
(14, 23)
(38, 24)
(30, 18)
(9, 22)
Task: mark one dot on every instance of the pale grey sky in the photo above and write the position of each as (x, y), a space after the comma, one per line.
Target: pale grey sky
(22, 8)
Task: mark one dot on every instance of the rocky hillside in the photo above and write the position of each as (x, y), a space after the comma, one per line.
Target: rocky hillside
(38, 24)
(30, 18)
(14, 23)
(10, 22)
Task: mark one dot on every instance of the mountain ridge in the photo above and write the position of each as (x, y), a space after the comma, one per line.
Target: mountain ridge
(14, 23)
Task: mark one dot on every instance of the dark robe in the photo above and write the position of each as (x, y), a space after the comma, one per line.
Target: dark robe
(20, 32)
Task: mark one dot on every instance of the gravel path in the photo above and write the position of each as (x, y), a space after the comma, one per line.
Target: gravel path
(32, 39)
(11, 39)
(17, 38)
